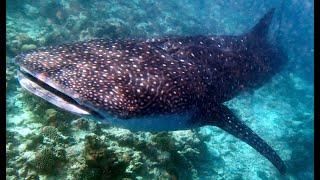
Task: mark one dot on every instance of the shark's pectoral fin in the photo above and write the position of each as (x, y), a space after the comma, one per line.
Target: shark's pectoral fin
(224, 118)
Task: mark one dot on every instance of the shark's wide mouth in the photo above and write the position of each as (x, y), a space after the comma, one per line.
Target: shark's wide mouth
(42, 89)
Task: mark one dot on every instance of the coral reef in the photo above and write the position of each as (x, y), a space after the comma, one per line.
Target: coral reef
(45, 161)
(34, 141)
(28, 47)
(50, 117)
(45, 142)
(105, 162)
(10, 75)
(81, 124)
(110, 152)
(52, 133)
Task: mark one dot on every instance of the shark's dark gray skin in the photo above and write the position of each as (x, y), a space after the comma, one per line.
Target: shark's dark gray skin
(160, 84)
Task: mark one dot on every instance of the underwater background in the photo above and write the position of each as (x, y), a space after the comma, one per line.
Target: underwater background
(45, 142)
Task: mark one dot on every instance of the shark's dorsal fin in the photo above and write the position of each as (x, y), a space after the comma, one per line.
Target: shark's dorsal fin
(260, 30)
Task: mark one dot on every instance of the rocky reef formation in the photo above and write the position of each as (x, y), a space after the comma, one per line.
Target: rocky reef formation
(109, 153)
(44, 142)
(31, 25)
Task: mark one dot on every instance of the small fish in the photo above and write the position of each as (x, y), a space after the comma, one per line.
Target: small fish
(158, 84)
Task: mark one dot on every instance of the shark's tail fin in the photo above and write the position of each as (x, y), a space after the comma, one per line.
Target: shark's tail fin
(278, 33)
(261, 29)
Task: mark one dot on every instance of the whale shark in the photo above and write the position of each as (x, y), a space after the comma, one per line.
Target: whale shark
(158, 84)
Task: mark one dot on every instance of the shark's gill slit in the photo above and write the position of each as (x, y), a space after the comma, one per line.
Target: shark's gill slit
(60, 94)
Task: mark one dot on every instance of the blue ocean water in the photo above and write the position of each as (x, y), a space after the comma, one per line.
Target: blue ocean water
(44, 141)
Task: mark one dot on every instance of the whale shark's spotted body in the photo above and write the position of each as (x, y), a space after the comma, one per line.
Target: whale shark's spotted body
(157, 84)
